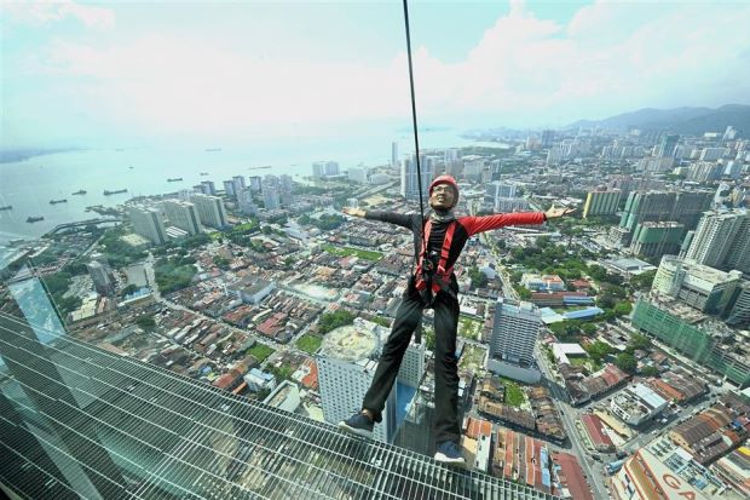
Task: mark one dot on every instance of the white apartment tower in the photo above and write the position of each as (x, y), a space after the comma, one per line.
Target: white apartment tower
(147, 222)
(514, 335)
(347, 362)
(722, 240)
(409, 177)
(210, 210)
(183, 215)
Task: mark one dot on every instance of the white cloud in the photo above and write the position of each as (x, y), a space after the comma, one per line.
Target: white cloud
(611, 57)
(39, 12)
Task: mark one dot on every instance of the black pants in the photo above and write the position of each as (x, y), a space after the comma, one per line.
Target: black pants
(408, 317)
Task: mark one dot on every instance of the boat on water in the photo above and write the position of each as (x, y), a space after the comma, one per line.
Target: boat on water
(80, 191)
(6, 207)
(31, 219)
(117, 191)
(131, 167)
(55, 202)
(211, 150)
(203, 174)
(174, 179)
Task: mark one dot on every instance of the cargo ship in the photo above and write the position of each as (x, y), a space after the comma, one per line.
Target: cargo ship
(55, 202)
(203, 174)
(212, 150)
(117, 191)
(31, 219)
(80, 191)
(174, 179)
(6, 207)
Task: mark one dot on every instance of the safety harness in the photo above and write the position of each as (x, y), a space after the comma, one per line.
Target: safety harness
(429, 280)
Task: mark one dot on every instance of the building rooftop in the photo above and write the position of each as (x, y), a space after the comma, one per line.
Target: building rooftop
(350, 343)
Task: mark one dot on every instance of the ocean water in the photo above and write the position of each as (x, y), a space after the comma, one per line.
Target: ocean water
(29, 185)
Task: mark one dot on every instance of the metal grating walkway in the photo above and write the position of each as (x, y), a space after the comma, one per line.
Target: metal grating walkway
(113, 427)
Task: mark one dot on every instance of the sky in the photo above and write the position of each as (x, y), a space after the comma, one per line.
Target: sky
(77, 73)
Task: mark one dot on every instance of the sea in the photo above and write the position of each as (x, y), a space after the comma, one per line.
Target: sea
(29, 185)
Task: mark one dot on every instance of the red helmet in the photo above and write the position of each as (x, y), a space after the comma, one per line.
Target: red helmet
(445, 179)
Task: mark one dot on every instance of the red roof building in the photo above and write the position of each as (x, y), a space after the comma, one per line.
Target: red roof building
(594, 428)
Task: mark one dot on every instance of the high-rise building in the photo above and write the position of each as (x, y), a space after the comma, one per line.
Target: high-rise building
(246, 203)
(101, 275)
(147, 222)
(692, 341)
(722, 240)
(239, 183)
(704, 288)
(80, 421)
(271, 199)
(514, 332)
(183, 215)
(394, 153)
(713, 154)
(684, 207)
(409, 177)
(346, 363)
(229, 188)
(739, 309)
(497, 189)
(602, 203)
(255, 183)
(286, 190)
(667, 146)
(332, 169)
(210, 210)
(654, 239)
(208, 188)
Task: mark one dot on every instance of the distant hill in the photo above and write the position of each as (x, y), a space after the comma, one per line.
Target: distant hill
(687, 121)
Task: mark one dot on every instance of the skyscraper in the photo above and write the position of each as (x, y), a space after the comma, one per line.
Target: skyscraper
(183, 215)
(101, 275)
(346, 363)
(409, 177)
(667, 145)
(514, 332)
(210, 210)
(147, 222)
(722, 240)
(394, 153)
(229, 188)
(246, 203)
(271, 199)
(684, 207)
(208, 187)
(602, 202)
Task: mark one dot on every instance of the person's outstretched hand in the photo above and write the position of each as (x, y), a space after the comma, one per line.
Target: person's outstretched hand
(554, 212)
(356, 212)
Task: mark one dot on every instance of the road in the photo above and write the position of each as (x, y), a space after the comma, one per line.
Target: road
(595, 478)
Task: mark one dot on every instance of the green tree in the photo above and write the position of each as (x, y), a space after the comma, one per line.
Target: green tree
(650, 371)
(128, 290)
(626, 362)
(599, 350)
(623, 308)
(221, 262)
(638, 341)
(146, 322)
(331, 321)
(643, 281)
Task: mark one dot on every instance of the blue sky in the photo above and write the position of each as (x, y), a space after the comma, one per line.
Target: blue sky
(80, 73)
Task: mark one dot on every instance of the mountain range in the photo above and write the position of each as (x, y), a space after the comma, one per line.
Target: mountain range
(685, 120)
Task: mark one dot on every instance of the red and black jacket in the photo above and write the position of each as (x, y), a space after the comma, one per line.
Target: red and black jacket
(463, 228)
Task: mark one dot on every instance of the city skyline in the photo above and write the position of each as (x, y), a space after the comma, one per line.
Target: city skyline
(115, 70)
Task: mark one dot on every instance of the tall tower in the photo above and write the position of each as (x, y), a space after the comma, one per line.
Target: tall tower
(667, 145)
(147, 222)
(183, 215)
(346, 365)
(514, 334)
(722, 240)
(409, 177)
(394, 153)
(211, 210)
